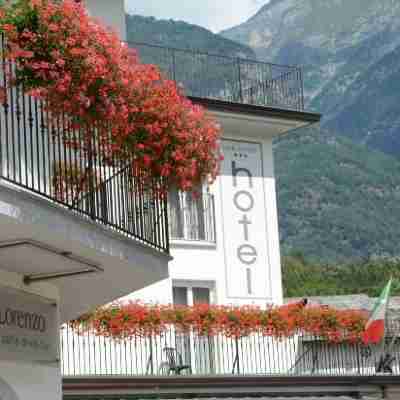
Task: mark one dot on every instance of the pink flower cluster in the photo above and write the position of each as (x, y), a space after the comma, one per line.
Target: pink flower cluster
(82, 70)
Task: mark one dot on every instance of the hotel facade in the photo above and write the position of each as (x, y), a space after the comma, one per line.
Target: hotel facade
(224, 243)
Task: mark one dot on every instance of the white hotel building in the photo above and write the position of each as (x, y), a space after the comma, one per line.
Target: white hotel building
(59, 259)
(224, 245)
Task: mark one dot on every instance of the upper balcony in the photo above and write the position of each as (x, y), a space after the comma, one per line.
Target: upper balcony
(234, 80)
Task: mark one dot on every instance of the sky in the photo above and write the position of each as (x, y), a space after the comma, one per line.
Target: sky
(212, 14)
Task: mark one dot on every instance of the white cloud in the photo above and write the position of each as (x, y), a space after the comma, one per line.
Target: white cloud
(212, 14)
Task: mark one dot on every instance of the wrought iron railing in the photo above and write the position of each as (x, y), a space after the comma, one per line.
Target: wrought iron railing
(236, 80)
(191, 218)
(35, 155)
(171, 353)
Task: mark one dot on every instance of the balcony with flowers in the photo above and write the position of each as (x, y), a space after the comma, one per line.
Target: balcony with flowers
(136, 339)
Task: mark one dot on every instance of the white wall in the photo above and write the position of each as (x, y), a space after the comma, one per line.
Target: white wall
(199, 262)
(30, 381)
(109, 12)
(159, 292)
(272, 222)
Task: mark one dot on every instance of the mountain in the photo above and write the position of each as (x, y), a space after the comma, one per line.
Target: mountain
(350, 51)
(181, 35)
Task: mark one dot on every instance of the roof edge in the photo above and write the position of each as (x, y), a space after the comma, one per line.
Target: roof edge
(258, 111)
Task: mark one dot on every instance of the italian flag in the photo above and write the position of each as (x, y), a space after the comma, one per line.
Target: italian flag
(375, 326)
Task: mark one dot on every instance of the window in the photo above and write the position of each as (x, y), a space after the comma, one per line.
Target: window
(180, 296)
(201, 295)
(191, 218)
(188, 293)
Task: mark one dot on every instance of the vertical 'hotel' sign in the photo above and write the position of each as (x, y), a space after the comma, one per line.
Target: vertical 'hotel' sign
(244, 219)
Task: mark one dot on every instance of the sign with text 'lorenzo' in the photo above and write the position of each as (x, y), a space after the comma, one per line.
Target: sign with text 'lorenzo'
(244, 218)
(28, 327)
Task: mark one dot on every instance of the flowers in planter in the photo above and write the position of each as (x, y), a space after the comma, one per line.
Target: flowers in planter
(131, 320)
(83, 73)
(136, 319)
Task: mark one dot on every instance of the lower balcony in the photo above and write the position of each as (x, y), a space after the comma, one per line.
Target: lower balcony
(175, 353)
(70, 219)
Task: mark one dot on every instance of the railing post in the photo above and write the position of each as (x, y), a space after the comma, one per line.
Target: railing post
(213, 224)
(173, 65)
(201, 209)
(315, 360)
(236, 360)
(358, 359)
(166, 222)
(240, 80)
(1, 144)
(301, 89)
(150, 361)
(92, 208)
(3, 105)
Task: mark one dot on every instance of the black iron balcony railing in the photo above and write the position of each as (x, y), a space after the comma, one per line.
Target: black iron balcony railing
(173, 353)
(34, 155)
(229, 79)
(191, 218)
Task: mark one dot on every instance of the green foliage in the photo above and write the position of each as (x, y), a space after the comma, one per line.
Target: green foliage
(302, 278)
(337, 200)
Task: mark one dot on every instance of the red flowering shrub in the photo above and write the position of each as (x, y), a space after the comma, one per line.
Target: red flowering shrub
(123, 321)
(181, 317)
(204, 319)
(136, 319)
(84, 72)
(235, 321)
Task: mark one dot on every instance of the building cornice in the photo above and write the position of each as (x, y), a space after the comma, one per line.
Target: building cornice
(257, 111)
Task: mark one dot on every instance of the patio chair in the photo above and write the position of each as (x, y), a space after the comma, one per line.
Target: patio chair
(174, 363)
(385, 364)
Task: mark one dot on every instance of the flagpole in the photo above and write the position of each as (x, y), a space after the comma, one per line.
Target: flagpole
(392, 342)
